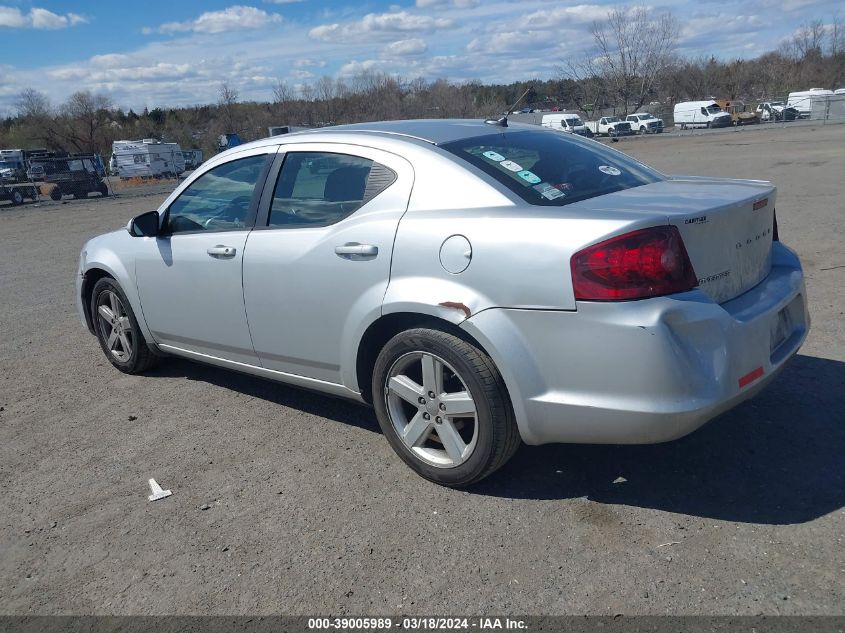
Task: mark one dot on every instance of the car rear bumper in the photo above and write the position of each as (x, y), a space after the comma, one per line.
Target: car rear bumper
(643, 371)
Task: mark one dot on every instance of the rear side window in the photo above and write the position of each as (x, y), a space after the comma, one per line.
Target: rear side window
(321, 188)
(550, 168)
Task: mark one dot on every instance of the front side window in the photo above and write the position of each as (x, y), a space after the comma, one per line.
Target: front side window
(552, 169)
(219, 200)
(321, 188)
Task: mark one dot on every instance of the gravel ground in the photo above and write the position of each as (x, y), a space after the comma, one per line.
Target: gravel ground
(309, 512)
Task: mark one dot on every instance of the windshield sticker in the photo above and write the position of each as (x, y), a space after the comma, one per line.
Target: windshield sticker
(610, 171)
(512, 166)
(548, 191)
(529, 176)
(494, 156)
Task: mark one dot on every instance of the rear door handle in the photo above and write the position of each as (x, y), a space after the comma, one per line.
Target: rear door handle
(353, 250)
(222, 252)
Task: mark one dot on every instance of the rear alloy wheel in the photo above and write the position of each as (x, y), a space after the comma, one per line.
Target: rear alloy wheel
(117, 329)
(17, 197)
(443, 407)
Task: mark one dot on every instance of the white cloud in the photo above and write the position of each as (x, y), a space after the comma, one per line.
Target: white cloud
(513, 42)
(460, 4)
(235, 18)
(356, 67)
(307, 63)
(562, 16)
(283, 1)
(379, 24)
(41, 19)
(402, 48)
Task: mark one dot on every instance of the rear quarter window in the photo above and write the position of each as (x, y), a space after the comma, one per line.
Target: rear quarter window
(549, 168)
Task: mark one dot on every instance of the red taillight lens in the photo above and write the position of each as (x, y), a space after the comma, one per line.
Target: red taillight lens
(644, 263)
(775, 237)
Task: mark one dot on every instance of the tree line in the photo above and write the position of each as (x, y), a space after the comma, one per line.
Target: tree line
(633, 63)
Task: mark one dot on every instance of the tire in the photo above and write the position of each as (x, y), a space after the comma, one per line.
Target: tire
(642, 130)
(56, 194)
(128, 349)
(103, 189)
(17, 197)
(707, 125)
(402, 397)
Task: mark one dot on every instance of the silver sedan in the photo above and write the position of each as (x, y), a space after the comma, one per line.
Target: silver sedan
(478, 284)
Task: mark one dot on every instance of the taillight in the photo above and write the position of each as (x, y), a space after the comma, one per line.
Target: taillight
(643, 263)
(775, 237)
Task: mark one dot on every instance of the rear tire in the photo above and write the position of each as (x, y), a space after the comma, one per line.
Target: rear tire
(17, 197)
(117, 329)
(443, 407)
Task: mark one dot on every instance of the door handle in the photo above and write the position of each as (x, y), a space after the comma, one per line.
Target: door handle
(222, 252)
(353, 250)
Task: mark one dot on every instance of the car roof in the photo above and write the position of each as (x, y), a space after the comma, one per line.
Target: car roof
(434, 131)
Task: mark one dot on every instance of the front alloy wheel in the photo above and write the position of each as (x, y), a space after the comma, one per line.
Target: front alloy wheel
(443, 406)
(117, 329)
(114, 325)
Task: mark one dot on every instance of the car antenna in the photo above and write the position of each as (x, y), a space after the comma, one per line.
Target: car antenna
(503, 121)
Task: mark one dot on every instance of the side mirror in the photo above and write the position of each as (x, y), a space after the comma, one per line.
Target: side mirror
(144, 225)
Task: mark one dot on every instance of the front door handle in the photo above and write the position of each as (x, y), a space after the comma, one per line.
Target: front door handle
(353, 250)
(222, 252)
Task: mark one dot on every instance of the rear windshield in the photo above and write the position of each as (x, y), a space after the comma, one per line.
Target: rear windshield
(552, 168)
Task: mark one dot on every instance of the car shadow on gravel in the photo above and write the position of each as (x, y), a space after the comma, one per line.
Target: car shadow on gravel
(337, 409)
(776, 459)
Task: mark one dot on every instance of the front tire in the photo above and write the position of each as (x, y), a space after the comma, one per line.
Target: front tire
(117, 329)
(443, 407)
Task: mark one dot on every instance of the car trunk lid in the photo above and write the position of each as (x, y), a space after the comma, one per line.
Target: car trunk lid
(726, 226)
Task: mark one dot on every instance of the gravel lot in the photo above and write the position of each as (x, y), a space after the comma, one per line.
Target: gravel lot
(310, 511)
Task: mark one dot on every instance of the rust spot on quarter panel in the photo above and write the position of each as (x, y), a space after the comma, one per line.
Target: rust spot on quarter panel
(457, 306)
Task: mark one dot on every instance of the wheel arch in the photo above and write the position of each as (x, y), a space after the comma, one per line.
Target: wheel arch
(89, 280)
(380, 331)
(101, 261)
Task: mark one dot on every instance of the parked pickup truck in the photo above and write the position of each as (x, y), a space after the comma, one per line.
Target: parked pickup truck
(776, 111)
(645, 123)
(611, 126)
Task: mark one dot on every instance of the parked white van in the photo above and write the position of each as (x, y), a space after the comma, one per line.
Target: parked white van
(700, 114)
(803, 100)
(566, 121)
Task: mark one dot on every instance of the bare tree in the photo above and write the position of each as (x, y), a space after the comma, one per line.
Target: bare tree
(836, 36)
(227, 97)
(85, 116)
(588, 91)
(633, 47)
(809, 39)
(282, 92)
(32, 104)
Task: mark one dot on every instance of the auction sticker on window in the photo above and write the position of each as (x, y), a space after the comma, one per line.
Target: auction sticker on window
(548, 191)
(512, 166)
(529, 177)
(610, 171)
(496, 156)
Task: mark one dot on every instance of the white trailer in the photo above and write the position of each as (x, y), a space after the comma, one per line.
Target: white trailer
(147, 158)
(803, 100)
(700, 114)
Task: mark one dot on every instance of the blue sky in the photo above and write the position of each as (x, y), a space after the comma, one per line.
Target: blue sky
(160, 53)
